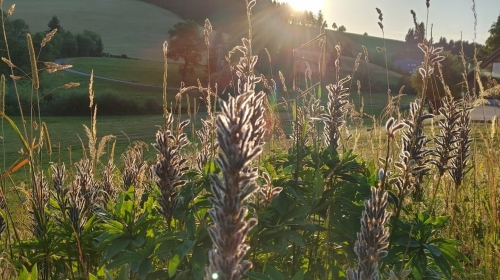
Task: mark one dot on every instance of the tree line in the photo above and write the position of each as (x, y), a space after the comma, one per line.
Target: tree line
(63, 44)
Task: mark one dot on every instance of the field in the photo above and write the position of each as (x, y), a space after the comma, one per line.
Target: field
(332, 181)
(138, 71)
(119, 23)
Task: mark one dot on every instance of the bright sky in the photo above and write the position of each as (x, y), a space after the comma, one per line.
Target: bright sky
(449, 17)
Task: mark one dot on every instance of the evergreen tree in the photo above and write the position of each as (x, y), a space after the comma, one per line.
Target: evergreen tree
(320, 20)
(415, 36)
(54, 24)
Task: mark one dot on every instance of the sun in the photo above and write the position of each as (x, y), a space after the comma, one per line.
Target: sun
(306, 5)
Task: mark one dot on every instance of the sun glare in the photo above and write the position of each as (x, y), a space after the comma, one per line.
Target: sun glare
(306, 5)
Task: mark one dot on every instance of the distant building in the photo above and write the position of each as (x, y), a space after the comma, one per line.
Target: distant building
(491, 65)
(407, 65)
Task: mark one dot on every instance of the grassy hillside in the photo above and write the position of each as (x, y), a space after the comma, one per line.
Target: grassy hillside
(130, 27)
(140, 71)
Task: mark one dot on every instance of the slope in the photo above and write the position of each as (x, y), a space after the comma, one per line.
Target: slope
(130, 27)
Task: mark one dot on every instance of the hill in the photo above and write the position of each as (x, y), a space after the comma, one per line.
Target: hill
(130, 27)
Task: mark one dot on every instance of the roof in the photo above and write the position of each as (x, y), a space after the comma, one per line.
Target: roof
(407, 65)
(490, 58)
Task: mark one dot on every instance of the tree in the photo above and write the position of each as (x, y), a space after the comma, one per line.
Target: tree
(320, 20)
(365, 34)
(69, 47)
(89, 44)
(218, 48)
(493, 41)
(16, 30)
(334, 26)
(416, 35)
(342, 28)
(186, 42)
(54, 24)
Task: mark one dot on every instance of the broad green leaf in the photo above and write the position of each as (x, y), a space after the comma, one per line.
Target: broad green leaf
(145, 267)
(24, 274)
(440, 221)
(117, 246)
(190, 225)
(295, 212)
(199, 261)
(453, 258)
(295, 237)
(419, 264)
(408, 241)
(433, 250)
(187, 245)
(299, 275)
(92, 277)
(274, 273)
(127, 258)
(443, 265)
(139, 240)
(172, 265)
(124, 272)
(319, 184)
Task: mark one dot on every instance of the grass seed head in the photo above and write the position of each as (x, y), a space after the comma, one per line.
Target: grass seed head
(34, 68)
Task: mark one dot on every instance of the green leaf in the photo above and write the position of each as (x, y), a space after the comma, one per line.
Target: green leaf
(319, 184)
(295, 212)
(117, 246)
(190, 225)
(274, 273)
(172, 265)
(440, 221)
(257, 276)
(187, 245)
(294, 237)
(145, 268)
(124, 272)
(299, 275)
(127, 258)
(16, 130)
(24, 274)
(433, 250)
(443, 265)
(419, 263)
(139, 240)
(198, 262)
(453, 256)
(408, 241)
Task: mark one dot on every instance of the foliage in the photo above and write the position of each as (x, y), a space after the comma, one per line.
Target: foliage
(416, 35)
(54, 23)
(15, 30)
(306, 208)
(186, 43)
(89, 44)
(342, 28)
(451, 68)
(493, 41)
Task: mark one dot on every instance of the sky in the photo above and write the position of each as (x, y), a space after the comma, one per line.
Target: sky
(450, 18)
